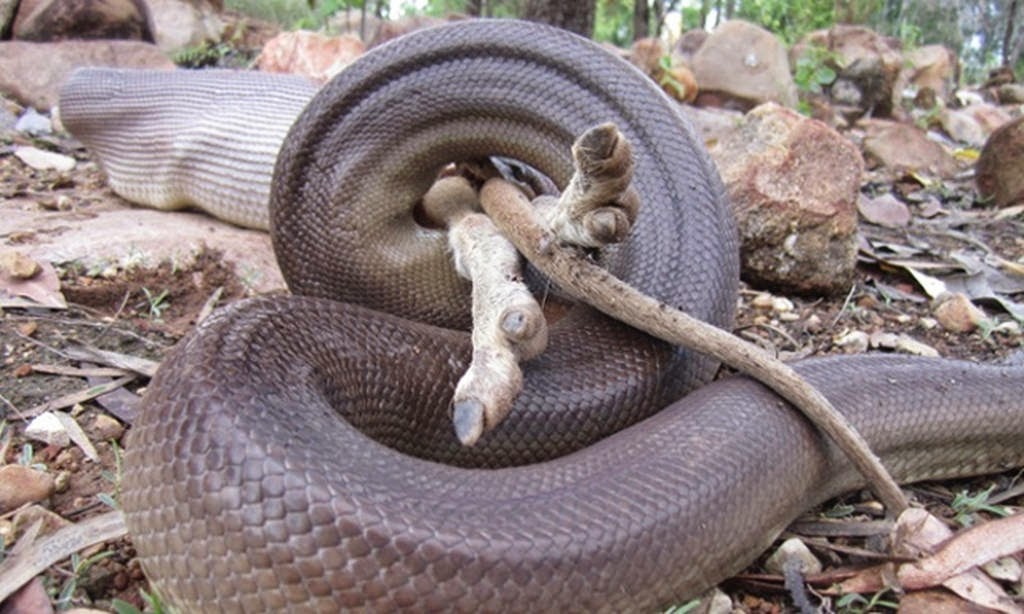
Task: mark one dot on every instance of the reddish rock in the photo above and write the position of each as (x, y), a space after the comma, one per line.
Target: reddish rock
(903, 148)
(56, 20)
(794, 184)
(742, 65)
(1000, 169)
(32, 73)
(310, 54)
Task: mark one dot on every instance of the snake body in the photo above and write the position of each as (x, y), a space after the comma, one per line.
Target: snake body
(245, 491)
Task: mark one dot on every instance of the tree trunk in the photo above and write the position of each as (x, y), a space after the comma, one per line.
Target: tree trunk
(570, 15)
(641, 19)
(1008, 51)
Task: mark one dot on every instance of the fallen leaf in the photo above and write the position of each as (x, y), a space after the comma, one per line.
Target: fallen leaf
(42, 290)
(885, 210)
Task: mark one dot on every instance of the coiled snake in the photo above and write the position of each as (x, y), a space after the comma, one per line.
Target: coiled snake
(244, 491)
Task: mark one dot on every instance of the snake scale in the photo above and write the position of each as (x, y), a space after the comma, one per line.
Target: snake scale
(296, 452)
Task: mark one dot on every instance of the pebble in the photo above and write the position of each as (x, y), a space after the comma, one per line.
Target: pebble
(957, 314)
(884, 340)
(909, 345)
(44, 160)
(106, 427)
(48, 428)
(33, 123)
(793, 550)
(17, 265)
(853, 342)
(20, 485)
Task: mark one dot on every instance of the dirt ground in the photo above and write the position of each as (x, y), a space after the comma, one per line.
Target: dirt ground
(142, 312)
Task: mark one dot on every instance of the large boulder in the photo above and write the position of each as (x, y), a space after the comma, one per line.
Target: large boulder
(55, 20)
(866, 63)
(741, 65)
(794, 184)
(32, 73)
(1000, 169)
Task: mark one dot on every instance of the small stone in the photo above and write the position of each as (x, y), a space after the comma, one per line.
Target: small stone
(789, 316)
(762, 301)
(909, 345)
(813, 323)
(106, 428)
(49, 429)
(716, 602)
(44, 160)
(33, 124)
(781, 304)
(20, 485)
(884, 340)
(793, 551)
(853, 342)
(18, 266)
(927, 323)
(957, 314)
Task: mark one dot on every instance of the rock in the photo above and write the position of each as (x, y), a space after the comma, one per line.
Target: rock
(16, 265)
(999, 172)
(885, 210)
(957, 314)
(178, 24)
(56, 20)
(793, 552)
(794, 184)
(742, 65)
(689, 43)
(44, 160)
(931, 68)
(32, 73)
(48, 429)
(865, 61)
(974, 124)
(33, 124)
(20, 485)
(712, 123)
(1010, 93)
(853, 342)
(903, 148)
(309, 54)
(909, 345)
(106, 428)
